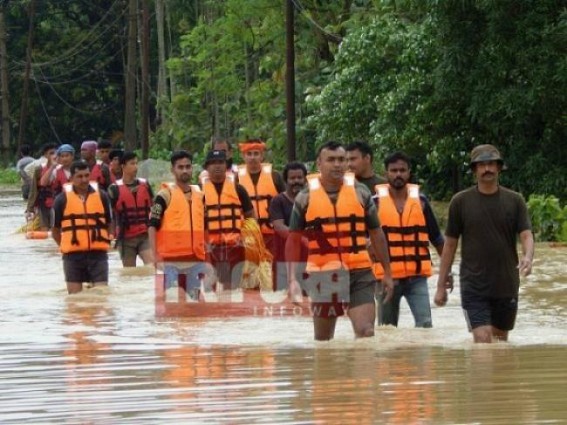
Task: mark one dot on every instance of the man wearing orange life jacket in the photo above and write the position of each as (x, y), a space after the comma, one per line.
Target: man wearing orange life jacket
(41, 197)
(262, 184)
(98, 169)
(81, 222)
(336, 213)
(227, 204)
(131, 199)
(177, 230)
(409, 225)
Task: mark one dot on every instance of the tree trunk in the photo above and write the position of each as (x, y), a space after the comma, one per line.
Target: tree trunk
(130, 142)
(172, 81)
(25, 91)
(161, 84)
(145, 103)
(4, 91)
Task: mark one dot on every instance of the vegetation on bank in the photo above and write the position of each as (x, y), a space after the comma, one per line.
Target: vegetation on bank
(9, 177)
(433, 78)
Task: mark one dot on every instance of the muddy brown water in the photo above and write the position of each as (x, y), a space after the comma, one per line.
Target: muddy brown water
(103, 357)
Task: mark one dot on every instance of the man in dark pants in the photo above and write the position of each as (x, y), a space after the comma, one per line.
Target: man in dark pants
(81, 225)
(489, 219)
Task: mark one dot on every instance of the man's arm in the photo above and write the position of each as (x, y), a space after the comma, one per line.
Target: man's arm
(57, 216)
(527, 241)
(247, 207)
(380, 248)
(445, 281)
(293, 246)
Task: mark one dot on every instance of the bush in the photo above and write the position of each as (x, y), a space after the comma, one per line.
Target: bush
(549, 218)
(9, 176)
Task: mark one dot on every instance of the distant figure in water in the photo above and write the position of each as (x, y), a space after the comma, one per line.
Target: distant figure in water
(488, 217)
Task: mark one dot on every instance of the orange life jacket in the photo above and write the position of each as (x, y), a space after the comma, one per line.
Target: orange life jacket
(261, 195)
(83, 226)
(181, 234)
(336, 232)
(223, 214)
(132, 211)
(407, 236)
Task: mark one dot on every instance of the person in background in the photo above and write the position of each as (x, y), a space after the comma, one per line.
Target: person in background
(409, 225)
(227, 204)
(82, 218)
(360, 156)
(131, 198)
(295, 177)
(262, 184)
(25, 159)
(488, 218)
(115, 165)
(99, 171)
(336, 213)
(40, 200)
(59, 172)
(104, 147)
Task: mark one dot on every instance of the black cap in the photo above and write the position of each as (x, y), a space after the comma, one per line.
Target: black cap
(215, 156)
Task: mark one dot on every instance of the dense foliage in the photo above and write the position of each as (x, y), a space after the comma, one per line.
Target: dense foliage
(433, 78)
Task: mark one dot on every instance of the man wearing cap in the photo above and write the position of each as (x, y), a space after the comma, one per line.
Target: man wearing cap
(99, 171)
(227, 204)
(489, 218)
(131, 198)
(262, 184)
(226, 147)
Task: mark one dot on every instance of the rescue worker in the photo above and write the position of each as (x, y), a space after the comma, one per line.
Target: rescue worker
(360, 156)
(177, 229)
(409, 225)
(489, 218)
(131, 199)
(262, 184)
(336, 213)
(98, 170)
(226, 147)
(227, 204)
(40, 199)
(81, 225)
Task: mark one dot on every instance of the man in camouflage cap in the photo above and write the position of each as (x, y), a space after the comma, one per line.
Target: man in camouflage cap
(489, 218)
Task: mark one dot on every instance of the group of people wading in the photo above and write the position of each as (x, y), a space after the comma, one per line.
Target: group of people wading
(342, 236)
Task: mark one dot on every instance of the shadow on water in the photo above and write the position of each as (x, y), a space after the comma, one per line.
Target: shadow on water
(102, 357)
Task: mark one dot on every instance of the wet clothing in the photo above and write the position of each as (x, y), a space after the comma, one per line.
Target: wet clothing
(26, 180)
(89, 266)
(489, 226)
(485, 311)
(416, 292)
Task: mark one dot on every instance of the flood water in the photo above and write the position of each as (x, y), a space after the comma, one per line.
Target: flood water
(103, 357)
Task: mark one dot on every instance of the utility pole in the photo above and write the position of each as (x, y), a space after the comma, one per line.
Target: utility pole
(290, 79)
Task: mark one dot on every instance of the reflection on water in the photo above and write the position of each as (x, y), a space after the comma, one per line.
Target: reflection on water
(101, 356)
